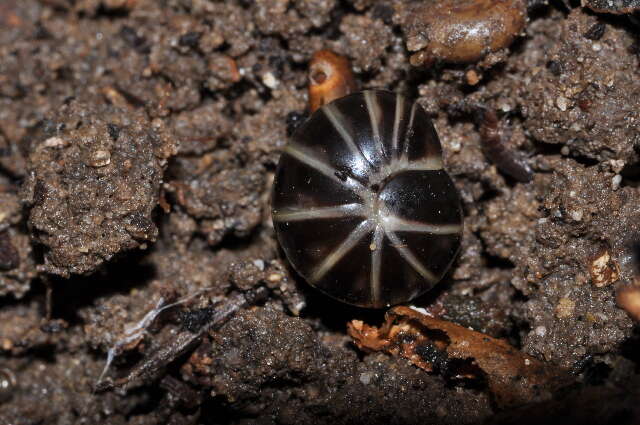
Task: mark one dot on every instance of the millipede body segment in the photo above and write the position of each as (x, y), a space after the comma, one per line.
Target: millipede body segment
(362, 206)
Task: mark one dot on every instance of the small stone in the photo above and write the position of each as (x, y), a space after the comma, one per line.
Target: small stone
(562, 103)
(274, 277)
(259, 264)
(296, 309)
(55, 142)
(270, 81)
(505, 107)
(100, 158)
(576, 215)
(617, 165)
(615, 181)
(472, 77)
(565, 308)
(366, 377)
(7, 344)
(7, 385)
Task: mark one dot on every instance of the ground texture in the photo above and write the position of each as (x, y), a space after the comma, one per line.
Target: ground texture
(138, 142)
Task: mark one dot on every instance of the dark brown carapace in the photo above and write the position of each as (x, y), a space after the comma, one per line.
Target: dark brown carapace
(362, 205)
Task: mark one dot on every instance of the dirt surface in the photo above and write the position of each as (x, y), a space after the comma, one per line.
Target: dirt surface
(138, 141)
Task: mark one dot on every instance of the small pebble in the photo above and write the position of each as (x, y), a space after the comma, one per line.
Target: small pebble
(296, 309)
(259, 264)
(505, 107)
(615, 181)
(55, 142)
(562, 103)
(274, 277)
(472, 77)
(576, 215)
(366, 377)
(617, 165)
(270, 81)
(7, 384)
(100, 158)
(565, 308)
(541, 331)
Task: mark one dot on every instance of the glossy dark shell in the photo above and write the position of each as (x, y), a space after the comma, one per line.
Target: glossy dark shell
(362, 206)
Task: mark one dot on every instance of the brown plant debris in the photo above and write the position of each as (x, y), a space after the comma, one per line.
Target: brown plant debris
(459, 353)
(604, 271)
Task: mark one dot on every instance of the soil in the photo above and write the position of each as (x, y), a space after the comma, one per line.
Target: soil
(138, 142)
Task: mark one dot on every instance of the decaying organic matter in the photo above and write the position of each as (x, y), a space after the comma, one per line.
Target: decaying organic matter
(179, 344)
(459, 353)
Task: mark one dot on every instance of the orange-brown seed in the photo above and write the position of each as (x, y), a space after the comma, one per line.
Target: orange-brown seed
(462, 31)
(628, 299)
(330, 77)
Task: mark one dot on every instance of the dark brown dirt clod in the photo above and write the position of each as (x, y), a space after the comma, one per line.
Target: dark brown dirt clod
(17, 266)
(586, 112)
(91, 196)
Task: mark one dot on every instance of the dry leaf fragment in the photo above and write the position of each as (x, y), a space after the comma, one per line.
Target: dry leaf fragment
(460, 353)
(603, 269)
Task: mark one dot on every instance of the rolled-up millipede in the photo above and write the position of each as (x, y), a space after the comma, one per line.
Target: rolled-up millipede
(362, 206)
